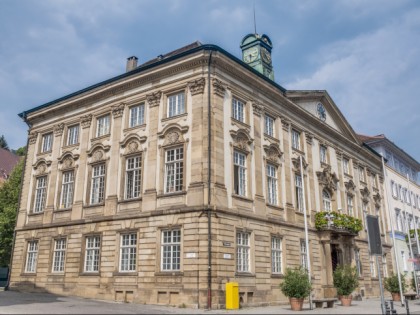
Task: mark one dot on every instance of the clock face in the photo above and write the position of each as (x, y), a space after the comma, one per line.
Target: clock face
(251, 54)
(321, 112)
(265, 55)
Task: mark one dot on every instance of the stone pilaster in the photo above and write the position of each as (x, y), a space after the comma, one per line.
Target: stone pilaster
(259, 201)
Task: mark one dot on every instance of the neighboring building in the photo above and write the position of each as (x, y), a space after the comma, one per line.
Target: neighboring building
(8, 161)
(404, 197)
(162, 184)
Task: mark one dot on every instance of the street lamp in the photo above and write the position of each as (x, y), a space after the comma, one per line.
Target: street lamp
(329, 217)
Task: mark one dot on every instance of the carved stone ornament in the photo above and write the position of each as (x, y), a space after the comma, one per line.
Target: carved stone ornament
(154, 98)
(58, 129)
(285, 123)
(296, 162)
(377, 199)
(118, 110)
(309, 137)
(86, 120)
(173, 136)
(328, 179)
(241, 140)
(197, 86)
(32, 137)
(365, 194)
(132, 146)
(98, 155)
(41, 169)
(218, 87)
(273, 153)
(257, 108)
(68, 162)
(350, 187)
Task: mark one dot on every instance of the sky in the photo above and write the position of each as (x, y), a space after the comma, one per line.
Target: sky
(366, 54)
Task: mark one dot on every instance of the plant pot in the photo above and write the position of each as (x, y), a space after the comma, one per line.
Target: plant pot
(396, 297)
(346, 300)
(296, 303)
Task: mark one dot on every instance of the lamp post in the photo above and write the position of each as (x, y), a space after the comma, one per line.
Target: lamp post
(330, 217)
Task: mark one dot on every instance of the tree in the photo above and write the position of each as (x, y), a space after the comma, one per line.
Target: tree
(9, 201)
(3, 143)
(21, 151)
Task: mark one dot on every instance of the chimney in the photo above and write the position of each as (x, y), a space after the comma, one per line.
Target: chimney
(131, 63)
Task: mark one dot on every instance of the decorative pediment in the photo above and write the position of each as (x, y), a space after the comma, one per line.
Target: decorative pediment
(132, 143)
(328, 179)
(296, 162)
(273, 153)
(241, 139)
(58, 129)
(41, 166)
(350, 187)
(32, 137)
(67, 159)
(197, 86)
(365, 194)
(173, 134)
(219, 88)
(154, 98)
(377, 199)
(98, 152)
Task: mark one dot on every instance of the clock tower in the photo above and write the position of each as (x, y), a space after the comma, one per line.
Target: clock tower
(256, 52)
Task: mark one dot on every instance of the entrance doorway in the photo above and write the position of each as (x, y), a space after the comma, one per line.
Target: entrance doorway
(336, 256)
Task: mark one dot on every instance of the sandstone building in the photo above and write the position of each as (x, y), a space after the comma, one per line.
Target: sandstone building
(162, 184)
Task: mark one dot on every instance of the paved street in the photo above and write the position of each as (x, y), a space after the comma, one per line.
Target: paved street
(43, 303)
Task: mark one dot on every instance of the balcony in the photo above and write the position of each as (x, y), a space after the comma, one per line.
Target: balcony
(337, 222)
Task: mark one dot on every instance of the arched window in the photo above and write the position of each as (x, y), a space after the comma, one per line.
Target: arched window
(326, 200)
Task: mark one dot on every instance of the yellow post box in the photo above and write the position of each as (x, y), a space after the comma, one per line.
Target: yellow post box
(232, 296)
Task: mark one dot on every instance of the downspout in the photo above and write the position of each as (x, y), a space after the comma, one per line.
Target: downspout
(18, 207)
(209, 279)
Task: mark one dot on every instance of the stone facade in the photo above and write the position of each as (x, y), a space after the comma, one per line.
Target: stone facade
(152, 245)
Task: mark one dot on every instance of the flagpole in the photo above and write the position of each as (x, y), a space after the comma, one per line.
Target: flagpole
(391, 217)
(308, 260)
(416, 235)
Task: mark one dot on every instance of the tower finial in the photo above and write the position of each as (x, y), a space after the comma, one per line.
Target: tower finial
(255, 23)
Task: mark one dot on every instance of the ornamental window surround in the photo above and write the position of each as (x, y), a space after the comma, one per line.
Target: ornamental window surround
(323, 154)
(97, 192)
(346, 166)
(175, 104)
(72, 135)
(128, 252)
(171, 250)
(47, 140)
(238, 110)
(59, 255)
(103, 125)
(67, 190)
(239, 173)
(272, 184)
(269, 125)
(296, 140)
(136, 115)
(133, 176)
(299, 192)
(40, 194)
(92, 253)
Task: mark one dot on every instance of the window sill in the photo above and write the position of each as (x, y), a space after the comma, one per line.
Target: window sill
(107, 137)
(244, 274)
(298, 151)
(324, 164)
(70, 146)
(130, 200)
(34, 214)
(277, 275)
(178, 193)
(142, 126)
(95, 205)
(302, 214)
(175, 116)
(271, 138)
(28, 274)
(169, 274)
(274, 206)
(240, 122)
(242, 197)
(56, 274)
(43, 153)
(124, 273)
(89, 274)
(62, 209)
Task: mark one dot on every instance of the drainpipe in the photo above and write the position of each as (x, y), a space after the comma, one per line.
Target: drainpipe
(208, 184)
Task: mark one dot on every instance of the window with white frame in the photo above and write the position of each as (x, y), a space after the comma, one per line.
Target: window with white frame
(296, 139)
(67, 188)
(243, 252)
(128, 252)
(59, 255)
(174, 169)
(97, 193)
(384, 266)
(239, 173)
(103, 125)
(136, 115)
(238, 109)
(394, 189)
(272, 184)
(411, 222)
(350, 210)
(31, 256)
(303, 255)
(73, 135)
(372, 266)
(326, 200)
(323, 153)
(276, 255)
(40, 194)
(346, 166)
(362, 174)
(299, 192)
(374, 181)
(414, 200)
(399, 220)
(401, 190)
(404, 260)
(47, 140)
(408, 197)
(176, 104)
(132, 177)
(92, 251)
(171, 250)
(358, 262)
(269, 125)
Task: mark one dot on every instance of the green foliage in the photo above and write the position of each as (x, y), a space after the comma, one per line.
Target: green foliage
(296, 283)
(413, 235)
(346, 279)
(413, 282)
(9, 198)
(3, 143)
(21, 151)
(391, 283)
(340, 221)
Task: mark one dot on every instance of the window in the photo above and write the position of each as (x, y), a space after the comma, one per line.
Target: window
(276, 255)
(47, 142)
(238, 110)
(239, 173)
(326, 200)
(323, 154)
(411, 222)
(350, 205)
(40, 194)
(394, 188)
(295, 139)
(269, 125)
(171, 250)
(303, 255)
(384, 266)
(243, 251)
(31, 256)
(128, 252)
(174, 170)
(401, 192)
(67, 190)
(136, 115)
(404, 261)
(299, 192)
(399, 220)
(133, 177)
(272, 184)
(346, 166)
(176, 104)
(59, 255)
(361, 174)
(358, 262)
(372, 266)
(374, 181)
(93, 245)
(103, 125)
(98, 184)
(73, 135)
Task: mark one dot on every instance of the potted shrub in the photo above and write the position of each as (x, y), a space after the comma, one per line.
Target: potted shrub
(296, 287)
(391, 284)
(346, 281)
